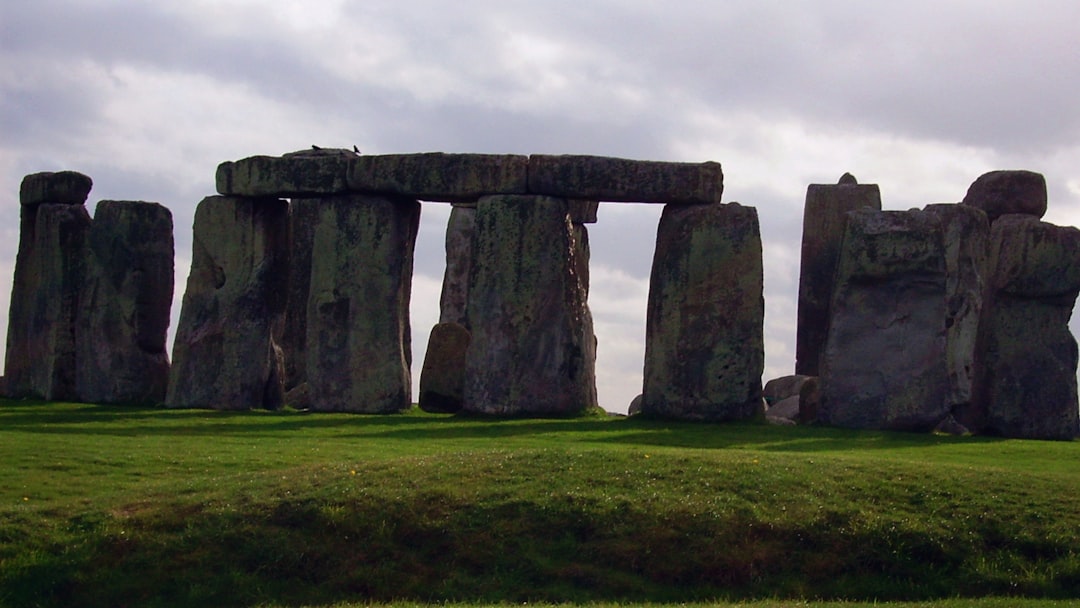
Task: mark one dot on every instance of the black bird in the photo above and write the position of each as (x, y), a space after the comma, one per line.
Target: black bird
(355, 149)
(314, 147)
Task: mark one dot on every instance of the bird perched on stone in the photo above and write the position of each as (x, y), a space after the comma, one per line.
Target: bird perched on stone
(314, 147)
(355, 149)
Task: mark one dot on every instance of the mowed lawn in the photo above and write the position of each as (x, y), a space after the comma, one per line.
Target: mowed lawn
(111, 506)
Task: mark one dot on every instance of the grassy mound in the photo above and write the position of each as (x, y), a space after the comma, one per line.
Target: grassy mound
(118, 506)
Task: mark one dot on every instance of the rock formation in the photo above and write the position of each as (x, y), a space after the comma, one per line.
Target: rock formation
(528, 312)
(442, 379)
(884, 361)
(824, 218)
(358, 334)
(704, 351)
(1002, 192)
(459, 256)
(224, 354)
(1026, 357)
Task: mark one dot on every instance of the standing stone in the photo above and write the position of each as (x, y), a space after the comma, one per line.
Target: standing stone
(966, 233)
(442, 379)
(45, 299)
(459, 258)
(884, 361)
(824, 218)
(123, 315)
(224, 354)
(1002, 192)
(1026, 357)
(303, 215)
(529, 354)
(358, 335)
(704, 344)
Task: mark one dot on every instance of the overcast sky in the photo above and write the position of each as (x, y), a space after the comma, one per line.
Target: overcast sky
(147, 97)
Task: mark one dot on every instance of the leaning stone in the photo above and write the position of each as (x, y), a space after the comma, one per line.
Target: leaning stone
(303, 216)
(704, 345)
(60, 188)
(459, 259)
(123, 315)
(824, 218)
(48, 279)
(529, 353)
(1001, 192)
(966, 234)
(884, 361)
(778, 389)
(298, 174)
(358, 334)
(1026, 357)
(623, 180)
(437, 176)
(224, 353)
(442, 379)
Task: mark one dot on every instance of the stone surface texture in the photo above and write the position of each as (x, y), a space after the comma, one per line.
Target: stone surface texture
(438, 176)
(123, 315)
(454, 299)
(303, 216)
(704, 352)
(824, 219)
(884, 361)
(358, 334)
(224, 353)
(529, 318)
(59, 188)
(1026, 357)
(999, 193)
(442, 379)
(297, 174)
(618, 179)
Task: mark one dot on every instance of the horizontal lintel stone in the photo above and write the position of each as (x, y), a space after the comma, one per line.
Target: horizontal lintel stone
(438, 176)
(624, 180)
(298, 174)
(61, 187)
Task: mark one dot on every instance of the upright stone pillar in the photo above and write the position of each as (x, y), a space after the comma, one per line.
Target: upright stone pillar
(358, 334)
(1026, 357)
(303, 216)
(224, 354)
(459, 258)
(529, 354)
(704, 334)
(123, 316)
(824, 218)
(966, 234)
(884, 363)
(40, 361)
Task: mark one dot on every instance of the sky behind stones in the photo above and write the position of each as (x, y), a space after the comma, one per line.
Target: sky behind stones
(919, 97)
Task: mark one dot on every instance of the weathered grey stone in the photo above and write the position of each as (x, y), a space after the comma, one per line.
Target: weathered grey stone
(704, 351)
(358, 334)
(48, 279)
(438, 176)
(622, 180)
(824, 218)
(787, 408)
(810, 401)
(1026, 357)
(884, 360)
(778, 389)
(123, 315)
(297, 174)
(966, 233)
(224, 353)
(583, 212)
(442, 379)
(60, 188)
(459, 258)
(635, 406)
(529, 319)
(303, 216)
(1002, 192)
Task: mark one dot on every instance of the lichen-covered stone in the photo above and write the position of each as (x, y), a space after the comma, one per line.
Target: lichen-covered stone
(623, 180)
(437, 176)
(123, 315)
(459, 258)
(297, 174)
(527, 308)
(704, 344)
(884, 361)
(45, 299)
(1026, 357)
(824, 218)
(224, 353)
(442, 379)
(59, 188)
(966, 232)
(358, 334)
(303, 215)
(999, 193)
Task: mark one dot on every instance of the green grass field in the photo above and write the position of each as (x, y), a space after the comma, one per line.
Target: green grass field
(108, 506)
